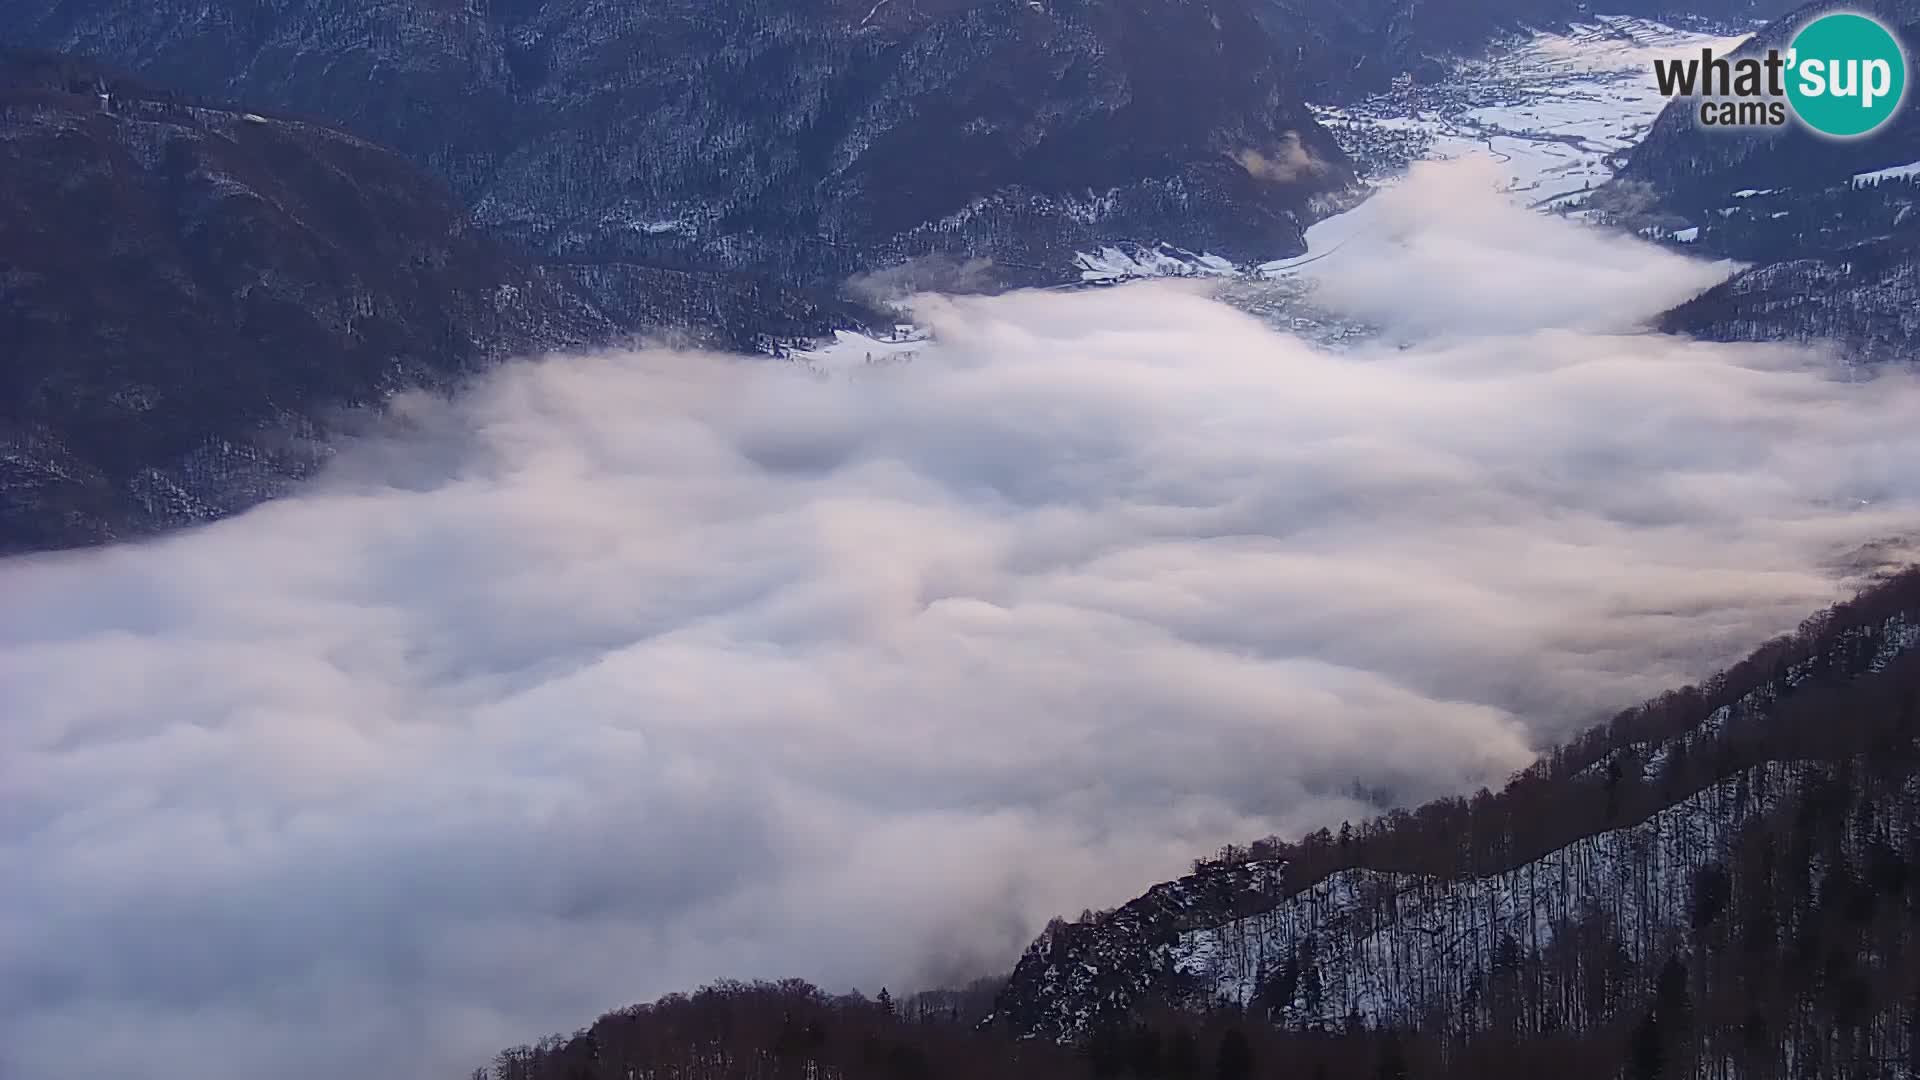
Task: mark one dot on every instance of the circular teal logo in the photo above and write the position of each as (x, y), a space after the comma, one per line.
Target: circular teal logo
(1847, 75)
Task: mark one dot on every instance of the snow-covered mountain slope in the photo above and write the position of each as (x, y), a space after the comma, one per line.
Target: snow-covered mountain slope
(1615, 847)
(1397, 948)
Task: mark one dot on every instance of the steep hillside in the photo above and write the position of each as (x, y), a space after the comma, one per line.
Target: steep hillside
(1760, 831)
(188, 294)
(191, 293)
(1864, 296)
(1724, 882)
(1694, 171)
(807, 139)
(1830, 226)
(737, 311)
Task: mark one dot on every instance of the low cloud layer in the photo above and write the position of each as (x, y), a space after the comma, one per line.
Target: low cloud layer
(924, 274)
(627, 671)
(1442, 258)
(1289, 161)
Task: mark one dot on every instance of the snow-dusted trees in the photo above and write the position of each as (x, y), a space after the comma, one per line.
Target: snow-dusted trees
(1753, 841)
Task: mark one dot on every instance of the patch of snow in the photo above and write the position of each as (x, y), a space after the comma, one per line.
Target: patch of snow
(851, 350)
(1899, 636)
(1896, 172)
(1687, 235)
(1116, 263)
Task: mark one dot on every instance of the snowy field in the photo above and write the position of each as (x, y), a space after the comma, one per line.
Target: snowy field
(1552, 113)
(1897, 172)
(1548, 115)
(850, 351)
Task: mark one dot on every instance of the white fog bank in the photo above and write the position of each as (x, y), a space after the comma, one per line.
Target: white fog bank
(628, 671)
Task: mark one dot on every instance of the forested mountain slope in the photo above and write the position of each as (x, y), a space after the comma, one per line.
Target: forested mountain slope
(1830, 225)
(1754, 840)
(812, 139)
(189, 293)
(1864, 295)
(1694, 170)
(193, 294)
(1724, 882)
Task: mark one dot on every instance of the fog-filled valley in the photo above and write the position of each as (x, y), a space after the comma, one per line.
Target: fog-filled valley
(619, 671)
